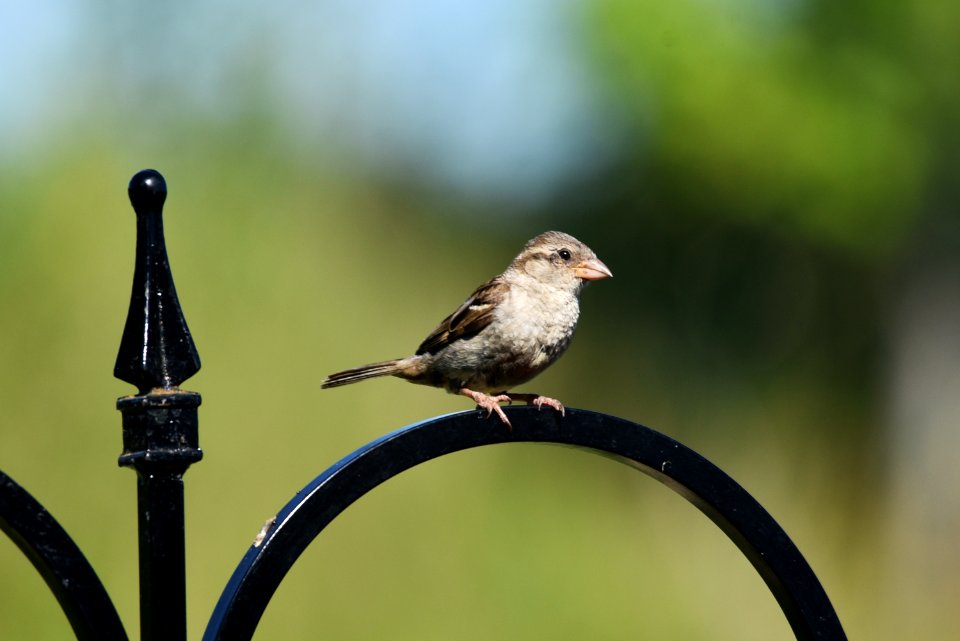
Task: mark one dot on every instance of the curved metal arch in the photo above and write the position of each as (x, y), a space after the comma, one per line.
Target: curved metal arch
(729, 506)
(60, 562)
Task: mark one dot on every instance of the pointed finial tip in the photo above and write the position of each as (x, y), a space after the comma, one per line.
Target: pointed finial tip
(147, 190)
(156, 349)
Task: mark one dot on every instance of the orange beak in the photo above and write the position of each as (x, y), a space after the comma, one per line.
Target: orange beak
(592, 269)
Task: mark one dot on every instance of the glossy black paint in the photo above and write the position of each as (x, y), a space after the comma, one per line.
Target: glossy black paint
(728, 505)
(160, 442)
(61, 564)
(160, 425)
(156, 350)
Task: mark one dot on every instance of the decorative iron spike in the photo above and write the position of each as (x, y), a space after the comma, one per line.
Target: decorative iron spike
(156, 350)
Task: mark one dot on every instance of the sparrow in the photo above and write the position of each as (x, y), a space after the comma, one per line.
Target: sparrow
(510, 329)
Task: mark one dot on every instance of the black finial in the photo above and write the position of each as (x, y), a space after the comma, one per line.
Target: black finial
(156, 350)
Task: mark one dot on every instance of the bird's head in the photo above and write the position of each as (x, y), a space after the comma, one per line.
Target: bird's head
(558, 259)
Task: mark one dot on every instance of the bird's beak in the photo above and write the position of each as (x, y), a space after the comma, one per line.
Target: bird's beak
(592, 269)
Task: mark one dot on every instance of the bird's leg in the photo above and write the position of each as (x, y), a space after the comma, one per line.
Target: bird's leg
(489, 403)
(540, 401)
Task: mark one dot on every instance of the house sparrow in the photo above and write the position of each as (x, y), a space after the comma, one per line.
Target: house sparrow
(508, 331)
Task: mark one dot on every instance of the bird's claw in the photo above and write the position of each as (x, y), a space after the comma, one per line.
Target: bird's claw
(540, 401)
(490, 403)
(499, 410)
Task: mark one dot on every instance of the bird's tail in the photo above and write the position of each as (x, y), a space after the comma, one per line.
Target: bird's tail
(362, 373)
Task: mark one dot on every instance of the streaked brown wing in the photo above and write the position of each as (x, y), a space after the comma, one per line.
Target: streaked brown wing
(469, 319)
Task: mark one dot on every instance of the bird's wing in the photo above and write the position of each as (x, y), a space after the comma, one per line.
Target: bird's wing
(469, 319)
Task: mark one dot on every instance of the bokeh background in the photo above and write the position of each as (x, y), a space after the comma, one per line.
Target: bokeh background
(774, 185)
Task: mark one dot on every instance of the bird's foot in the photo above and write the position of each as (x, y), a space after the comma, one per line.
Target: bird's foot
(489, 403)
(540, 401)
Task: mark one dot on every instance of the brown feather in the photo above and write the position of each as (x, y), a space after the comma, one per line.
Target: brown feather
(468, 320)
(362, 373)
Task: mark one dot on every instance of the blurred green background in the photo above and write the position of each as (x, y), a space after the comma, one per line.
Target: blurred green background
(773, 184)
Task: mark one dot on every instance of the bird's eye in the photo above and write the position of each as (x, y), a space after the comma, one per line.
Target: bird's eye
(564, 254)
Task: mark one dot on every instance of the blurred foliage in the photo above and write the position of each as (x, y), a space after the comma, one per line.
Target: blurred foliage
(783, 164)
(759, 116)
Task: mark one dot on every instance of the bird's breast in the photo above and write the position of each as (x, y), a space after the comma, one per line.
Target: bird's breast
(536, 329)
(528, 332)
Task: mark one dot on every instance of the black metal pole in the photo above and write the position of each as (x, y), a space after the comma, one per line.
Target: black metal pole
(160, 442)
(163, 603)
(160, 425)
